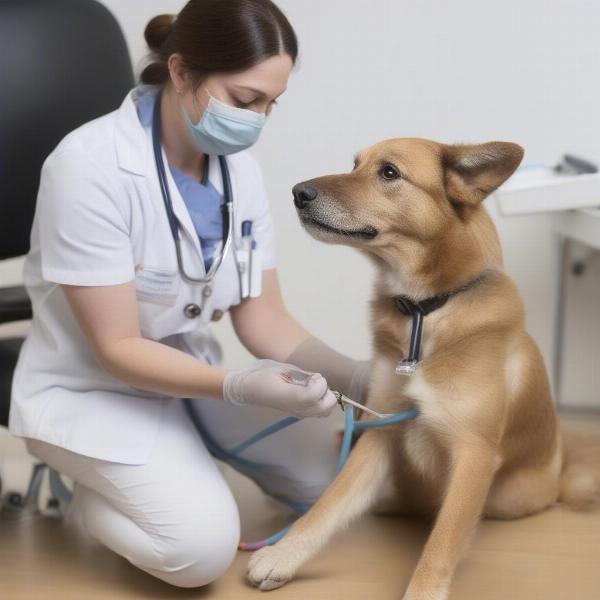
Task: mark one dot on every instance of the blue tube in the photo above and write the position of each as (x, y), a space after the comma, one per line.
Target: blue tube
(264, 433)
(350, 426)
(347, 439)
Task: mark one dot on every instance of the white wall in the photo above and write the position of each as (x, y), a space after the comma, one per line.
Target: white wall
(452, 71)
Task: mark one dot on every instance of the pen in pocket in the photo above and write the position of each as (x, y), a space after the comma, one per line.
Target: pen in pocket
(247, 243)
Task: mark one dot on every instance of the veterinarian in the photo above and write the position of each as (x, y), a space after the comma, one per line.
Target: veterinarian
(120, 344)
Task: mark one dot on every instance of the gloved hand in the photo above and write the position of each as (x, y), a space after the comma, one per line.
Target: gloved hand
(262, 384)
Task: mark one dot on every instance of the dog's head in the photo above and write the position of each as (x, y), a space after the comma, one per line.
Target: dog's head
(415, 207)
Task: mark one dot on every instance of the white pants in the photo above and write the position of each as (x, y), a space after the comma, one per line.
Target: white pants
(174, 516)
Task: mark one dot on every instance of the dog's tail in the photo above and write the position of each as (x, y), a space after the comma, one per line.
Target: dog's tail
(580, 475)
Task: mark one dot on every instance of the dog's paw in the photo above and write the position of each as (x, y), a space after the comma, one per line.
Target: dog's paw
(433, 596)
(270, 568)
(416, 592)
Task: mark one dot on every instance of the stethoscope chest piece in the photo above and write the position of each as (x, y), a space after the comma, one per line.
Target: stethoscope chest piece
(191, 310)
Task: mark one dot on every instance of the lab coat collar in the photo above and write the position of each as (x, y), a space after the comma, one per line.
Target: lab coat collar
(130, 138)
(132, 148)
(134, 154)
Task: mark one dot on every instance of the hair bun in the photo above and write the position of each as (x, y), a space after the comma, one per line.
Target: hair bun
(157, 30)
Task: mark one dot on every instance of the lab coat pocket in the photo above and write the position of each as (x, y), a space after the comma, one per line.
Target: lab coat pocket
(157, 285)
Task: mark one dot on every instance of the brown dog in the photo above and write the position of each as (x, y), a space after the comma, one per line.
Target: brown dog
(486, 440)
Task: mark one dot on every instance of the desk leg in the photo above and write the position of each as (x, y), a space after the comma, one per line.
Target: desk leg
(561, 246)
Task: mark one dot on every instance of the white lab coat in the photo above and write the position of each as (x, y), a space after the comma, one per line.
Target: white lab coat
(100, 220)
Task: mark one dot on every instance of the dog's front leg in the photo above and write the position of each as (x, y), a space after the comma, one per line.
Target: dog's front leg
(473, 469)
(350, 494)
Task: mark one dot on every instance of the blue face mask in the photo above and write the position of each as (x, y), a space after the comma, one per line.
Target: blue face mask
(224, 129)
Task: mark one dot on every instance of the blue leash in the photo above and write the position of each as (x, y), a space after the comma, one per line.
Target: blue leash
(231, 454)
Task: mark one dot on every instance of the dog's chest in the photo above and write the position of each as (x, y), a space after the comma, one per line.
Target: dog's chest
(390, 392)
(421, 448)
(419, 440)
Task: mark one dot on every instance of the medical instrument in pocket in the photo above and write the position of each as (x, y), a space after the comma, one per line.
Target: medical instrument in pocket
(243, 258)
(350, 427)
(250, 253)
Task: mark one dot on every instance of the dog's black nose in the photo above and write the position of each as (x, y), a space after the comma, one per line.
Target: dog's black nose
(303, 194)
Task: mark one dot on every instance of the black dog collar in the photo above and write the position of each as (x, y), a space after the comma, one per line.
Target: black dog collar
(418, 310)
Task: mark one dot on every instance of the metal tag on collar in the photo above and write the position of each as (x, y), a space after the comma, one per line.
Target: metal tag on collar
(406, 367)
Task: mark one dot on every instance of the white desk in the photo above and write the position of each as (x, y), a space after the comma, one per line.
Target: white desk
(575, 202)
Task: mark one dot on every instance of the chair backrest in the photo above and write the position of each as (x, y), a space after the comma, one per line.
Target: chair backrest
(62, 63)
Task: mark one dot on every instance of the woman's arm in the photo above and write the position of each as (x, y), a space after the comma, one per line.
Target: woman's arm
(263, 324)
(108, 317)
(267, 330)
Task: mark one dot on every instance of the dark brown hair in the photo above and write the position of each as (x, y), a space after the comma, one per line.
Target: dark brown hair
(218, 36)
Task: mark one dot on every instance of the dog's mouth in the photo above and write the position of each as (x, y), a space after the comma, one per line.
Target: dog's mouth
(367, 233)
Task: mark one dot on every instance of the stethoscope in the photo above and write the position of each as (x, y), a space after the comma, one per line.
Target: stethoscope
(193, 310)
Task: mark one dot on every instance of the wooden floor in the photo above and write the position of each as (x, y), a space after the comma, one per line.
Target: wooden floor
(551, 556)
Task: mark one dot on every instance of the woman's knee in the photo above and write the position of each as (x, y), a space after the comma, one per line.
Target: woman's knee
(188, 544)
(201, 550)
(206, 567)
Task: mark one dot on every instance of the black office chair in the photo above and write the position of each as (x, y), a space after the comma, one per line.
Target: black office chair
(62, 63)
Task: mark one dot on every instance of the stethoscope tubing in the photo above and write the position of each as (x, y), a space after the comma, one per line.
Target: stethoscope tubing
(226, 207)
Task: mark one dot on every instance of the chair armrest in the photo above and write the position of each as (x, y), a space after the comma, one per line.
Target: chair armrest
(15, 304)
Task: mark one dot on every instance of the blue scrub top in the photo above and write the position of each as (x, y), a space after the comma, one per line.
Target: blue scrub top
(202, 199)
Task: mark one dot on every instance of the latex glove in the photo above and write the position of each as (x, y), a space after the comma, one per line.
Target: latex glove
(262, 384)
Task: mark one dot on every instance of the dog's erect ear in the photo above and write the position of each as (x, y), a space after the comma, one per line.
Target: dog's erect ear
(472, 172)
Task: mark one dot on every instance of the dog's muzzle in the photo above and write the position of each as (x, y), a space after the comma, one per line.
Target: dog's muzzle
(304, 194)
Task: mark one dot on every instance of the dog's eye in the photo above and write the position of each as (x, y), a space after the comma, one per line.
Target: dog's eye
(389, 172)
